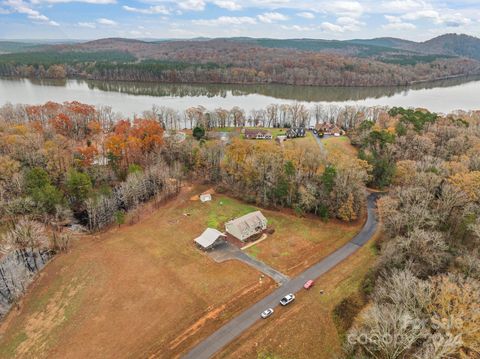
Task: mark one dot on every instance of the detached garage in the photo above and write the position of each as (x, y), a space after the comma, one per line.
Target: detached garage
(209, 239)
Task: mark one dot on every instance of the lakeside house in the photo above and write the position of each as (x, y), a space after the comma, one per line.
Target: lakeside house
(329, 129)
(246, 226)
(257, 134)
(295, 132)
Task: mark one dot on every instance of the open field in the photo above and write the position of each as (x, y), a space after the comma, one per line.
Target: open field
(298, 244)
(145, 289)
(131, 292)
(306, 328)
(341, 144)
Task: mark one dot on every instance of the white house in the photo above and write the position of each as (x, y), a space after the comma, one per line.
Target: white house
(209, 238)
(246, 226)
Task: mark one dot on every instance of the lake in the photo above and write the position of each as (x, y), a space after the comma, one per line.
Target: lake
(131, 98)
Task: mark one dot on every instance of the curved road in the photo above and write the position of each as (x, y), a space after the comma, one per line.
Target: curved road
(234, 328)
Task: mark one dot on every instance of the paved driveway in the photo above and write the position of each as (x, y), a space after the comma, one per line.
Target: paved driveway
(208, 347)
(227, 251)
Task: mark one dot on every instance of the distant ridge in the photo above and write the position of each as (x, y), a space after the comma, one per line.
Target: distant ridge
(457, 45)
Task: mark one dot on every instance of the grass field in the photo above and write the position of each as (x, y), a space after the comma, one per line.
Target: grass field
(133, 291)
(306, 328)
(299, 243)
(341, 144)
(145, 289)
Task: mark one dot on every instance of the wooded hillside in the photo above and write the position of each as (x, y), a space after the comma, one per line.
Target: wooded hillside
(295, 62)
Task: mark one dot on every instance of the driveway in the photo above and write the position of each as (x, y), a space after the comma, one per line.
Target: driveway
(227, 251)
(208, 347)
(319, 141)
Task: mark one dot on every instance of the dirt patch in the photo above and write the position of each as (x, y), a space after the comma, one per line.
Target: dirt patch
(197, 196)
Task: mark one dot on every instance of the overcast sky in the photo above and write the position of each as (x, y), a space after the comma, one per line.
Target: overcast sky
(90, 19)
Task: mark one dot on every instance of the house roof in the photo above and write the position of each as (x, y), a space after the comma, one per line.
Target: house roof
(249, 220)
(253, 131)
(208, 237)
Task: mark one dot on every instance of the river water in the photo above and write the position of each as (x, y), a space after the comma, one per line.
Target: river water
(131, 98)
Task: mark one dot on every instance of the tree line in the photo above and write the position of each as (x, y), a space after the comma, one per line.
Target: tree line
(227, 64)
(423, 292)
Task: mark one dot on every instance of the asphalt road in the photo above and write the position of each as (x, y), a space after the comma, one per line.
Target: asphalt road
(234, 328)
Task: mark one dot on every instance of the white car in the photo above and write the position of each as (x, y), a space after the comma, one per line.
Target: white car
(287, 299)
(266, 313)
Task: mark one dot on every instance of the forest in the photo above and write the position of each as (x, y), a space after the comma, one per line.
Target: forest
(224, 61)
(423, 291)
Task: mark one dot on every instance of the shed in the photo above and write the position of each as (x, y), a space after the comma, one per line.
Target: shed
(205, 197)
(209, 238)
(246, 226)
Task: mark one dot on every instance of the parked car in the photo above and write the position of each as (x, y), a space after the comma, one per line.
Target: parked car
(287, 299)
(308, 284)
(266, 313)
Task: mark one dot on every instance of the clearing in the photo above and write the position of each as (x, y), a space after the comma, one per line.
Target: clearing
(133, 291)
(145, 290)
(298, 244)
(341, 144)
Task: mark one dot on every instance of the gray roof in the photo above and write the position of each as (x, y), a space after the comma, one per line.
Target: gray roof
(208, 237)
(252, 220)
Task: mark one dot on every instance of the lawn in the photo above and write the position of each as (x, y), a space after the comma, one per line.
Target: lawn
(133, 291)
(300, 242)
(306, 328)
(341, 144)
(297, 242)
(274, 131)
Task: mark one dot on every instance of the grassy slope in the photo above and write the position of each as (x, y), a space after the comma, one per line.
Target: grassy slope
(143, 289)
(131, 292)
(341, 144)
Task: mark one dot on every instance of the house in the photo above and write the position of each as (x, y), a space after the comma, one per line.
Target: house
(257, 134)
(246, 226)
(205, 197)
(324, 128)
(329, 129)
(209, 239)
(295, 132)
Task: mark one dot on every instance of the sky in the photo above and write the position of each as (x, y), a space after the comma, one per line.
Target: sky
(417, 20)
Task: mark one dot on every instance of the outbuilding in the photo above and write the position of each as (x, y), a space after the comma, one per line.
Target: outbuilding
(205, 197)
(209, 239)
